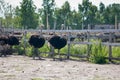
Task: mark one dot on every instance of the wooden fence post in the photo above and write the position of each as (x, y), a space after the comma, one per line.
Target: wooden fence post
(110, 47)
(25, 33)
(69, 36)
(88, 45)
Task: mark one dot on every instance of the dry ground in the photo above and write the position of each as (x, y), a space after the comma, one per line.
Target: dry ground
(25, 68)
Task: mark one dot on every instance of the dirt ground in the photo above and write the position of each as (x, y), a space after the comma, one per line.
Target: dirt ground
(25, 68)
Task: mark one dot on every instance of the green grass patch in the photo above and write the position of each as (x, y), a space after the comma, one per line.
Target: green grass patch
(98, 53)
(116, 51)
(36, 79)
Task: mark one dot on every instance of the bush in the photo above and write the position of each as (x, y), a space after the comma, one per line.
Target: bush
(18, 49)
(98, 53)
(29, 51)
(24, 44)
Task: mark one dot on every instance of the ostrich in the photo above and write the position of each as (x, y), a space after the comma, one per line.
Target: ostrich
(58, 42)
(12, 40)
(7, 41)
(37, 42)
(3, 43)
(3, 39)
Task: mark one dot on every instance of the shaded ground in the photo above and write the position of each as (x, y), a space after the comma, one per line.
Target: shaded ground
(24, 68)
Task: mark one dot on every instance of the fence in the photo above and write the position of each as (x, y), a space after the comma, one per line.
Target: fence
(87, 34)
(110, 44)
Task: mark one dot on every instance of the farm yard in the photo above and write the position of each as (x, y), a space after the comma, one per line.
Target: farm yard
(25, 68)
(41, 41)
(76, 67)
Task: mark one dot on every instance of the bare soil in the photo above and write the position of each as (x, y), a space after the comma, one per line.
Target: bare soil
(25, 68)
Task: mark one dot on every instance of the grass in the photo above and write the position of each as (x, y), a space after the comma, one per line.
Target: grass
(116, 51)
(36, 79)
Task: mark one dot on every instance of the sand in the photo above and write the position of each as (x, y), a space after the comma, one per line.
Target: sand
(25, 68)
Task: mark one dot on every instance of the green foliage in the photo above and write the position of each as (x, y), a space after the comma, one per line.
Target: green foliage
(45, 48)
(29, 51)
(78, 49)
(26, 16)
(74, 49)
(116, 51)
(47, 16)
(98, 53)
(24, 46)
(19, 49)
(29, 18)
(64, 50)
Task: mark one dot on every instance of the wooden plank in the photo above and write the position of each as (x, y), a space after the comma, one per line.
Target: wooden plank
(113, 58)
(63, 31)
(78, 55)
(107, 44)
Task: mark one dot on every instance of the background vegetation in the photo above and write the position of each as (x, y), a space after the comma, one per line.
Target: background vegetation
(28, 16)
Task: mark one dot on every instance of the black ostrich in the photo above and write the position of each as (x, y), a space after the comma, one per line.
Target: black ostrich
(3, 43)
(8, 41)
(36, 41)
(3, 39)
(58, 42)
(12, 40)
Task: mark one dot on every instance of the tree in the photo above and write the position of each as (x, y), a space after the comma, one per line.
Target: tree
(66, 12)
(7, 10)
(110, 12)
(58, 18)
(76, 19)
(102, 7)
(91, 14)
(28, 15)
(85, 11)
(100, 14)
(1, 5)
(17, 18)
(48, 8)
(88, 11)
(63, 16)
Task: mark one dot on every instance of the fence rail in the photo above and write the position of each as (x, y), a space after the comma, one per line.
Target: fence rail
(70, 33)
(63, 31)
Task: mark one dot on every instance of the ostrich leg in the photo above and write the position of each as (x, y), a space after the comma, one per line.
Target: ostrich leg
(36, 54)
(59, 55)
(52, 53)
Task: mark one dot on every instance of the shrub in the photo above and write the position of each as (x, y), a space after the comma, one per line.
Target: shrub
(18, 49)
(98, 53)
(29, 51)
(24, 44)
